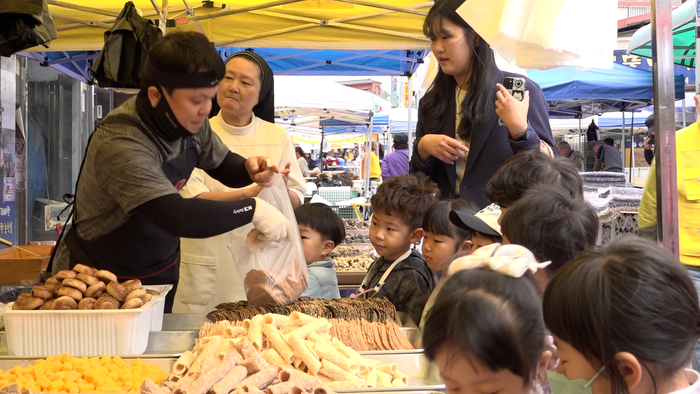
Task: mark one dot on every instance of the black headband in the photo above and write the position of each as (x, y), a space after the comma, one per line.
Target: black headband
(177, 80)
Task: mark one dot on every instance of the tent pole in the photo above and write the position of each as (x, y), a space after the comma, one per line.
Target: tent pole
(684, 125)
(368, 159)
(320, 150)
(622, 143)
(632, 145)
(579, 141)
(410, 107)
(666, 182)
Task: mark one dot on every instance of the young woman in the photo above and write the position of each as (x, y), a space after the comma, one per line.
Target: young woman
(460, 142)
(302, 160)
(625, 319)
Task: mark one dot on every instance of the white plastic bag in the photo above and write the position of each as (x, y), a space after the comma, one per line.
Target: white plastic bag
(274, 273)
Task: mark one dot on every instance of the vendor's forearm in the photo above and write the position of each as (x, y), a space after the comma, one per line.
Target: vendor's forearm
(233, 195)
(197, 217)
(232, 171)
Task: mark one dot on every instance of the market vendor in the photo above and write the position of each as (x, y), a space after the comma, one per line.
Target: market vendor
(246, 125)
(129, 216)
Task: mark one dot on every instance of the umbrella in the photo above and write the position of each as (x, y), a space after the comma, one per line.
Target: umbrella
(683, 22)
(544, 34)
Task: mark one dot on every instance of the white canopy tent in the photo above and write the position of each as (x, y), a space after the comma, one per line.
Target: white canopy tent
(308, 102)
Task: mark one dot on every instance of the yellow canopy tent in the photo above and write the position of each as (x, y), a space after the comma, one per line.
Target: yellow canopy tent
(312, 24)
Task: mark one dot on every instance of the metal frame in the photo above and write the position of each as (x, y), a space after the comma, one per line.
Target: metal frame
(188, 13)
(664, 123)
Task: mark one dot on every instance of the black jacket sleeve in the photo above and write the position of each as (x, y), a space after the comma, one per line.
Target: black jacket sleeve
(648, 155)
(196, 217)
(232, 171)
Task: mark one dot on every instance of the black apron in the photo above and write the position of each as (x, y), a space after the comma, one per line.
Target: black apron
(138, 249)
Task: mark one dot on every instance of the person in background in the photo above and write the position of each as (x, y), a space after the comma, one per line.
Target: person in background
(485, 331)
(625, 318)
(593, 132)
(608, 157)
(526, 170)
(649, 139)
(400, 274)
(128, 215)
(459, 141)
(687, 164)
(396, 162)
(375, 171)
(573, 156)
(246, 126)
(553, 226)
(321, 231)
(302, 160)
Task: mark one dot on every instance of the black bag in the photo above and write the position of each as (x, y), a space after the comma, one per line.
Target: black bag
(121, 60)
(22, 27)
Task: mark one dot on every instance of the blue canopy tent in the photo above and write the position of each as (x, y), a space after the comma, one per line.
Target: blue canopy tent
(574, 93)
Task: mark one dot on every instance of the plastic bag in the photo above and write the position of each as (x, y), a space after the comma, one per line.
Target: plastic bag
(274, 273)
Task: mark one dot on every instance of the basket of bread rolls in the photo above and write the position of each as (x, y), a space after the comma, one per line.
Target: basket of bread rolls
(85, 311)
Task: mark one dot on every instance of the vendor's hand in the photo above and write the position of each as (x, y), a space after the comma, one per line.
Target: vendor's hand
(647, 143)
(270, 224)
(261, 169)
(442, 147)
(511, 111)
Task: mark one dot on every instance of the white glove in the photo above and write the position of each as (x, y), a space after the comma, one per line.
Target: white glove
(270, 224)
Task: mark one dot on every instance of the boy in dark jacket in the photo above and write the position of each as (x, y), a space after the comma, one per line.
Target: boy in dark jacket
(400, 274)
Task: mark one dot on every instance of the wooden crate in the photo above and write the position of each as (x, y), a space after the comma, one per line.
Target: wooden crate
(18, 267)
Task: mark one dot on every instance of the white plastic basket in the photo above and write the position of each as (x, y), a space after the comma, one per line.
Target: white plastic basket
(85, 332)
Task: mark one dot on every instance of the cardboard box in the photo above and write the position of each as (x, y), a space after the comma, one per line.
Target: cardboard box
(18, 267)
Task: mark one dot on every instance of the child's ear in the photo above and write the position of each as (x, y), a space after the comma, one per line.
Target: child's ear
(416, 235)
(466, 246)
(630, 369)
(542, 366)
(328, 246)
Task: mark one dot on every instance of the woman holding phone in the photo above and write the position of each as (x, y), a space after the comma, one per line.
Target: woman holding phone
(460, 141)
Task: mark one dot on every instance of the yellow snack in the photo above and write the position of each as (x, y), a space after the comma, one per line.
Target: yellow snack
(69, 374)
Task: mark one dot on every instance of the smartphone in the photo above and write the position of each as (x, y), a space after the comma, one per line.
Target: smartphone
(651, 137)
(516, 87)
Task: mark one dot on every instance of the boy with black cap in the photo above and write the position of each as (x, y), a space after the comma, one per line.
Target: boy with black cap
(396, 162)
(129, 216)
(483, 226)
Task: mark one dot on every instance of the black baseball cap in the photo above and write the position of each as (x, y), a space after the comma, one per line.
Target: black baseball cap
(650, 122)
(484, 221)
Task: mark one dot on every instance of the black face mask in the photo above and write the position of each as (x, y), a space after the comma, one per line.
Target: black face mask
(161, 119)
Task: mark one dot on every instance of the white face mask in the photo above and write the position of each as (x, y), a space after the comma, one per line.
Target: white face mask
(560, 384)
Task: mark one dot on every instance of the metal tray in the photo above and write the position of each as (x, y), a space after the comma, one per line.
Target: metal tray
(405, 320)
(170, 342)
(423, 376)
(414, 336)
(350, 278)
(184, 321)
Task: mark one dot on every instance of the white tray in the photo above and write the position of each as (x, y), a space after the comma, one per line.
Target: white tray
(85, 332)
